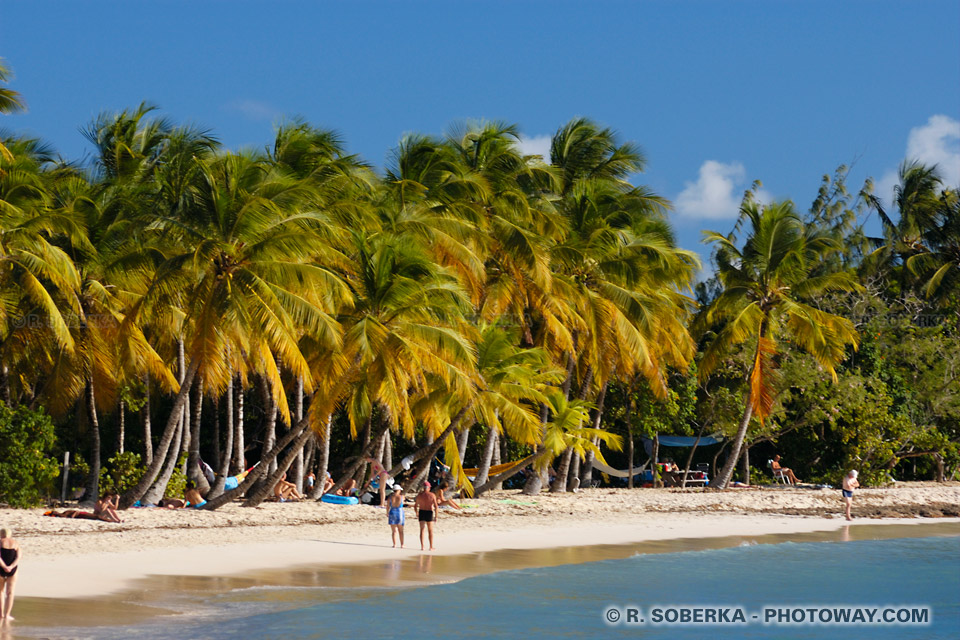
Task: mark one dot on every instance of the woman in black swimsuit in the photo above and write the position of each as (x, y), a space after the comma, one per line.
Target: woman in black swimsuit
(9, 559)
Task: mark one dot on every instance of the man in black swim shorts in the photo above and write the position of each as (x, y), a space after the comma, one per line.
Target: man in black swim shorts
(426, 504)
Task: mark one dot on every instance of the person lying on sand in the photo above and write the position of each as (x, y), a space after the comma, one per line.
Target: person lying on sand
(286, 491)
(787, 472)
(71, 513)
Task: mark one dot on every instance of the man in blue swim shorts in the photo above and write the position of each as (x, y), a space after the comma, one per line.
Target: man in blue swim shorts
(395, 517)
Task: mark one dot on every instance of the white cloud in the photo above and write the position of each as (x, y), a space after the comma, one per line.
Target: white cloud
(937, 142)
(717, 192)
(254, 109)
(535, 146)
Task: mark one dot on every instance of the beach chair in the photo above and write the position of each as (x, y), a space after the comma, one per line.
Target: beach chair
(778, 475)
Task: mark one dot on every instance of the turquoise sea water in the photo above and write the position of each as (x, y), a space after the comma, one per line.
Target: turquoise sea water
(571, 600)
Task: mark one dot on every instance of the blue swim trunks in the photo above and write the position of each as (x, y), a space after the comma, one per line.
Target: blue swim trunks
(395, 515)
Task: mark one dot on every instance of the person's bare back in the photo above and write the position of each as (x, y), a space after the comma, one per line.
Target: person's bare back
(426, 501)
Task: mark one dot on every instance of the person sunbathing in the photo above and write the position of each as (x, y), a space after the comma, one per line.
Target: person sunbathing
(286, 491)
(106, 508)
(327, 483)
(787, 472)
(192, 497)
(348, 489)
(443, 501)
(79, 514)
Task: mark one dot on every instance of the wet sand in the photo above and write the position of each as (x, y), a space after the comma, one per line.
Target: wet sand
(179, 598)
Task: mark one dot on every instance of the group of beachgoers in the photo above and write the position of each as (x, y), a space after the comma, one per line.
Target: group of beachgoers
(427, 504)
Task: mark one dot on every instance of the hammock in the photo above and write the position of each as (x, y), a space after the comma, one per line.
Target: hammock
(599, 466)
(494, 470)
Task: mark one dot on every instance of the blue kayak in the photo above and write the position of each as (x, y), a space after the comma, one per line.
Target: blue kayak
(335, 499)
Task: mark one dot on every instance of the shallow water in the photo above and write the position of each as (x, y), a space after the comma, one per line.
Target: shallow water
(562, 592)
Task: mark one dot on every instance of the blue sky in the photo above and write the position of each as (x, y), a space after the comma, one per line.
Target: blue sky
(717, 93)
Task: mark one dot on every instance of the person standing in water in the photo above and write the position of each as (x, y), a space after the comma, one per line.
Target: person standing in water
(9, 559)
(426, 512)
(849, 484)
(395, 517)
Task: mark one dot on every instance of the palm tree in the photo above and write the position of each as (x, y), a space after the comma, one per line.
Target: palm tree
(765, 286)
(10, 102)
(244, 252)
(38, 280)
(404, 336)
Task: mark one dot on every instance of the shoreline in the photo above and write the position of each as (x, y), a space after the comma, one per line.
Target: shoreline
(66, 558)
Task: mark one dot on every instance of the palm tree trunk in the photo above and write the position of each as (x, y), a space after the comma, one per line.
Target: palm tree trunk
(483, 472)
(655, 459)
(574, 473)
(723, 477)
(258, 474)
(387, 461)
(586, 475)
(462, 443)
(745, 464)
(223, 469)
(629, 416)
(159, 488)
(298, 416)
(509, 473)
(5, 384)
(499, 455)
(560, 482)
(425, 454)
(324, 459)
(361, 459)
(136, 492)
(147, 436)
(193, 454)
(239, 453)
(121, 426)
(181, 362)
(92, 493)
(693, 450)
(216, 432)
(296, 447)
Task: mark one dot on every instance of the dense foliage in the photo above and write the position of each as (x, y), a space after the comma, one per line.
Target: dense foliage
(27, 473)
(296, 307)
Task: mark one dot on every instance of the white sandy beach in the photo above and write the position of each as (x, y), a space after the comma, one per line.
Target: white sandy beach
(65, 558)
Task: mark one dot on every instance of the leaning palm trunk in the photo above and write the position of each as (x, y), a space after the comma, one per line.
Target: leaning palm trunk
(160, 455)
(258, 473)
(425, 454)
(361, 459)
(586, 476)
(296, 448)
(159, 488)
(483, 471)
(92, 493)
(462, 443)
(723, 477)
(509, 473)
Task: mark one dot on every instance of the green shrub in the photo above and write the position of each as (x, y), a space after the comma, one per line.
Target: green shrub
(178, 479)
(121, 472)
(27, 471)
